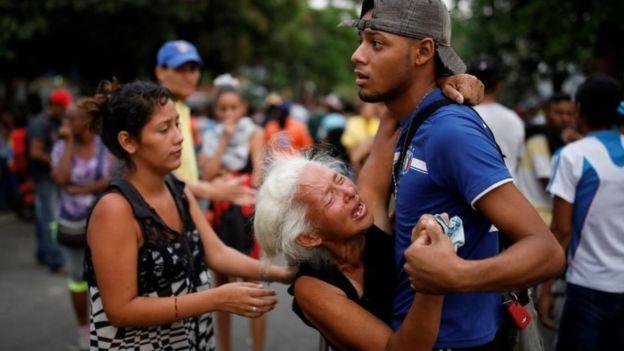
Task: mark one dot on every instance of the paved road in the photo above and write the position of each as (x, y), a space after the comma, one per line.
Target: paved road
(35, 309)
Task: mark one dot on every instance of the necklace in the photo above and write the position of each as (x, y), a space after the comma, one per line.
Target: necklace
(395, 172)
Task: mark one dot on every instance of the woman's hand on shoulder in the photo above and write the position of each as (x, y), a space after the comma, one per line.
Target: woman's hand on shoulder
(462, 88)
(250, 300)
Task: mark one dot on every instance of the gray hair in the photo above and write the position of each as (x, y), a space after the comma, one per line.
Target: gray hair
(280, 217)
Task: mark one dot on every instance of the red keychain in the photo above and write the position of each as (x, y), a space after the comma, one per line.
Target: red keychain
(518, 313)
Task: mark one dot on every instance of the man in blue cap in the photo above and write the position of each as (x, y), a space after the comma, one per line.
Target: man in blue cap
(178, 69)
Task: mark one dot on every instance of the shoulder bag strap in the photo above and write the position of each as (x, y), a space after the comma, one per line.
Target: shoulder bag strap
(414, 124)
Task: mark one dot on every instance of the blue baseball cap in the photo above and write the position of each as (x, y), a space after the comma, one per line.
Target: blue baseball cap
(175, 53)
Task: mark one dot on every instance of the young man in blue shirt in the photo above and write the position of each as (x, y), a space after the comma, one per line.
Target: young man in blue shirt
(452, 164)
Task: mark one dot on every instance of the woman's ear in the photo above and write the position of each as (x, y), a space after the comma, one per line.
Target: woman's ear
(309, 240)
(127, 142)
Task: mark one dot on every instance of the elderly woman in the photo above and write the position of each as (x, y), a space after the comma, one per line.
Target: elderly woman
(336, 233)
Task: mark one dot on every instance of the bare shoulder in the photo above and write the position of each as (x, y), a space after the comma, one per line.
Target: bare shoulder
(311, 293)
(112, 219)
(111, 204)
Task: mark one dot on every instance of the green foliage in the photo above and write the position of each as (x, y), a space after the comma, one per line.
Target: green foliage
(89, 40)
(553, 35)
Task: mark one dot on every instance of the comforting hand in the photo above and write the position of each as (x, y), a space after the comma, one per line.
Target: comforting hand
(230, 189)
(430, 260)
(284, 275)
(462, 88)
(246, 299)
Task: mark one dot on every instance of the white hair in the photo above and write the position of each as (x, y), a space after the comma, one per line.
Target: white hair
(280, 217)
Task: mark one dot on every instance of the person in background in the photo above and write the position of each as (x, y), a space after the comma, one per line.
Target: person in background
(42, 132)
(542, 142)
(332, 128)
(8, 180)
(81, 168)
(178, 64)
(234, 146)
(359, 132)
(283, 131)
(587, 185)
(534, 172)
(506, 125)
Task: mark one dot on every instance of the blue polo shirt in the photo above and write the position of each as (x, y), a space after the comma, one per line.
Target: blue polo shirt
(451, 162)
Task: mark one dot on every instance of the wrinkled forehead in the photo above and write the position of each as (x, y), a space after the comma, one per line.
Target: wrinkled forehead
(314, 180)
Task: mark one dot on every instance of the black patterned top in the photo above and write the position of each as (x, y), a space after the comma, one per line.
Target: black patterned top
(379, 277)
(169, 263)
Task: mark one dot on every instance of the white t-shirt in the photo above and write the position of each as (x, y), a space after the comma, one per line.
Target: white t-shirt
(508, 130)
(589, 173)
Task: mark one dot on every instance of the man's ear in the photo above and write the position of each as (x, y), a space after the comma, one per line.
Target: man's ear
(309, 240)
(160, 72)
(127, 142)
(423, 51)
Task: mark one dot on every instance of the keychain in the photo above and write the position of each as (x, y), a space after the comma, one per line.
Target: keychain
(517, 312)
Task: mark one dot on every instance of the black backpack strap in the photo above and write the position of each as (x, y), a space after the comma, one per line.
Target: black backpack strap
(415, 123)
(176, 187)
(140, 208)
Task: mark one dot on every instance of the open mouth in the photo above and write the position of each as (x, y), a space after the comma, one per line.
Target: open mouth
(359, 212)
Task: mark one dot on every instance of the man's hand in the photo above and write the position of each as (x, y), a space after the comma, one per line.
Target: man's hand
(430, 260)
(462, 88)
(546, 306)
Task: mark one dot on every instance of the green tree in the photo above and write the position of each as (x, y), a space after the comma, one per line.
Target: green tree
(90, 40)
(544, 37)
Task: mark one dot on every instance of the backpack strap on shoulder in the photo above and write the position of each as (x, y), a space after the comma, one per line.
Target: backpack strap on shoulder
(415, 123)
(140, 208)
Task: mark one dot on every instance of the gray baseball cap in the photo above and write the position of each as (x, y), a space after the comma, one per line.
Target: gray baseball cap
(414, 19)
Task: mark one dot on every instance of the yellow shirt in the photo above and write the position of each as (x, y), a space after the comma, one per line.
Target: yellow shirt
(535, 165)
(188, 168)
(359, 129)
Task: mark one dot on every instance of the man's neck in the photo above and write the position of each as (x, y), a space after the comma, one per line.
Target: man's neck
(404, 104)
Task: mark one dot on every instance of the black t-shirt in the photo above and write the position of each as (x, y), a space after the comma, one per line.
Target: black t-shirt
(45, 129)
(379, 277)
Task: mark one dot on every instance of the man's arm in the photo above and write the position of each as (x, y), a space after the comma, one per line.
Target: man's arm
(37, 151)
(374, 179)
(561, 226)
(534, 255)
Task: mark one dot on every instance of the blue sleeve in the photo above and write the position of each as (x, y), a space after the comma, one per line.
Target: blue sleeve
(462, 156)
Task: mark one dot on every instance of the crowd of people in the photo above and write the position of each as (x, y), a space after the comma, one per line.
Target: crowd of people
(426, 213)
